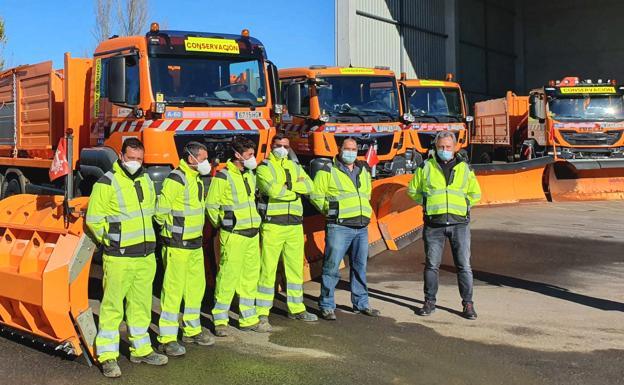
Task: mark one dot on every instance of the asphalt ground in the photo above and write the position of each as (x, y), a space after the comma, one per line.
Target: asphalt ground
(549, 291)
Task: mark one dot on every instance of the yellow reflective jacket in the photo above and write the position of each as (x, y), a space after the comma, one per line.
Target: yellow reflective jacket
(280, 182)
(120, 213)
(445, 203)
(181, 208)
(231, 201)
(339, 199)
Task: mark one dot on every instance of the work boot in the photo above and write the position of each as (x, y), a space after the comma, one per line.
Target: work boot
(469, 311)
(205, 338)
(427, 309)
(221, 331)
(260, 327)
(328, 315)
(172, 349)
(111, 369)
(303, 316)
(153, 358)
(368, 311)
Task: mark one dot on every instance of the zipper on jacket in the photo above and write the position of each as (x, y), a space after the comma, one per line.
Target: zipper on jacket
(357, 191)
(142, 218)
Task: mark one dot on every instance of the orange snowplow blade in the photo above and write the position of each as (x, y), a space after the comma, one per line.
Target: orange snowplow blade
(44, 272)
(582, 180)
(399, 218)
(512, 182)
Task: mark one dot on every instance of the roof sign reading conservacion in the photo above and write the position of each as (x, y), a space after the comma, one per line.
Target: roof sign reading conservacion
(588, 90)
(206, 44)
(357, 71)
(432, 83)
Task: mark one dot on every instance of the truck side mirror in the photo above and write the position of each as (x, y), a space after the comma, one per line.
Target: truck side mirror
(537, 109)
(273, 82)
(294, 99)
(117, 80)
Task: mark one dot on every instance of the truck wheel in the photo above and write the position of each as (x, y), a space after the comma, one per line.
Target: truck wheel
(11, 187)
(485, 158)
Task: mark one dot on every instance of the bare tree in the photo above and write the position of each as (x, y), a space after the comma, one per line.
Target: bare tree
(2, 42)
(132, 16)
(103, 23)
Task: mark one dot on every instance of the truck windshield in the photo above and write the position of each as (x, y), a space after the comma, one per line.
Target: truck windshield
(212, 81)
(435, 103)
(585, 107)
(359, 98)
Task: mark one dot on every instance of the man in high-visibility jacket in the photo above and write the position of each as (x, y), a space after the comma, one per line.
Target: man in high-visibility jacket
(232, 208)
(342, 193)
(119, 216)
(181, 209)
(281, 183)
(446, 187)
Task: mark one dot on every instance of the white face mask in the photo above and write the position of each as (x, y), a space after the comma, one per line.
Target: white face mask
(280, 152)
(250, 163)
(132, 166)
(203, 168)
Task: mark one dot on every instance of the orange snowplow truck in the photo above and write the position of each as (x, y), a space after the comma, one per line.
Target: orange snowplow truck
(326, 105)
(578, 123)
(165, 88)
(436, 106)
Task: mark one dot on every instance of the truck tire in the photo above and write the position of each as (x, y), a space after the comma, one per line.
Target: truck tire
(11, 187)
(485, 158)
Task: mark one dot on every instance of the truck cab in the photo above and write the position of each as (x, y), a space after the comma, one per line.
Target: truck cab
(436, 106)
(171, 87)
(326, 105)
(577, 119)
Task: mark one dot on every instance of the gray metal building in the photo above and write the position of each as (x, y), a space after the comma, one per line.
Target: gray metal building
(490, 45)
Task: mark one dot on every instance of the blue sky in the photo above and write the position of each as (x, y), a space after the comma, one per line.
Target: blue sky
(295, 32)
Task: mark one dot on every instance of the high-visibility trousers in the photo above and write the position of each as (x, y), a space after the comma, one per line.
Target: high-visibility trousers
(281, 241)
(128, 278)
(239, 269)
(184, 279)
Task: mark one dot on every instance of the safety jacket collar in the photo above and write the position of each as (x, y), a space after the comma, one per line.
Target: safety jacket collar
(358, 163)
(231, 167)
(274, 159)
(119, 168)
(188, 170)
(458, 160)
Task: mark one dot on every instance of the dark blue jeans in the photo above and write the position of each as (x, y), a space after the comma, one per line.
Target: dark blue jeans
(459, 238)
(340, 240)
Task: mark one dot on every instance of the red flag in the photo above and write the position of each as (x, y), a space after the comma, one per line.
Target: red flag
(60, 166)
(371, 156)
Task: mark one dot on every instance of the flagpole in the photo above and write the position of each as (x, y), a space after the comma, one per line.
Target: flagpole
(69, 178)
(374, 168)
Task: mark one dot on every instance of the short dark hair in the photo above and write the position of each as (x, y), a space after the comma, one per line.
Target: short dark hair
(241, 144)
(349, 139)
(133, 143)
(278, 137)
(193, 148)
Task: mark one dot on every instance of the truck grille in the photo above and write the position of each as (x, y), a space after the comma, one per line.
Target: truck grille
(426, 138)
(365, 141)
(219, 145)
(591, 138)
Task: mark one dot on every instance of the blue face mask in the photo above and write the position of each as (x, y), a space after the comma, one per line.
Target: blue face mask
(445, 155)
(349, 156)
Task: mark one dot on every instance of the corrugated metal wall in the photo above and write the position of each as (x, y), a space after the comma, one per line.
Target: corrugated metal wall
(487, 47)
(573, 38)
(374, 36)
